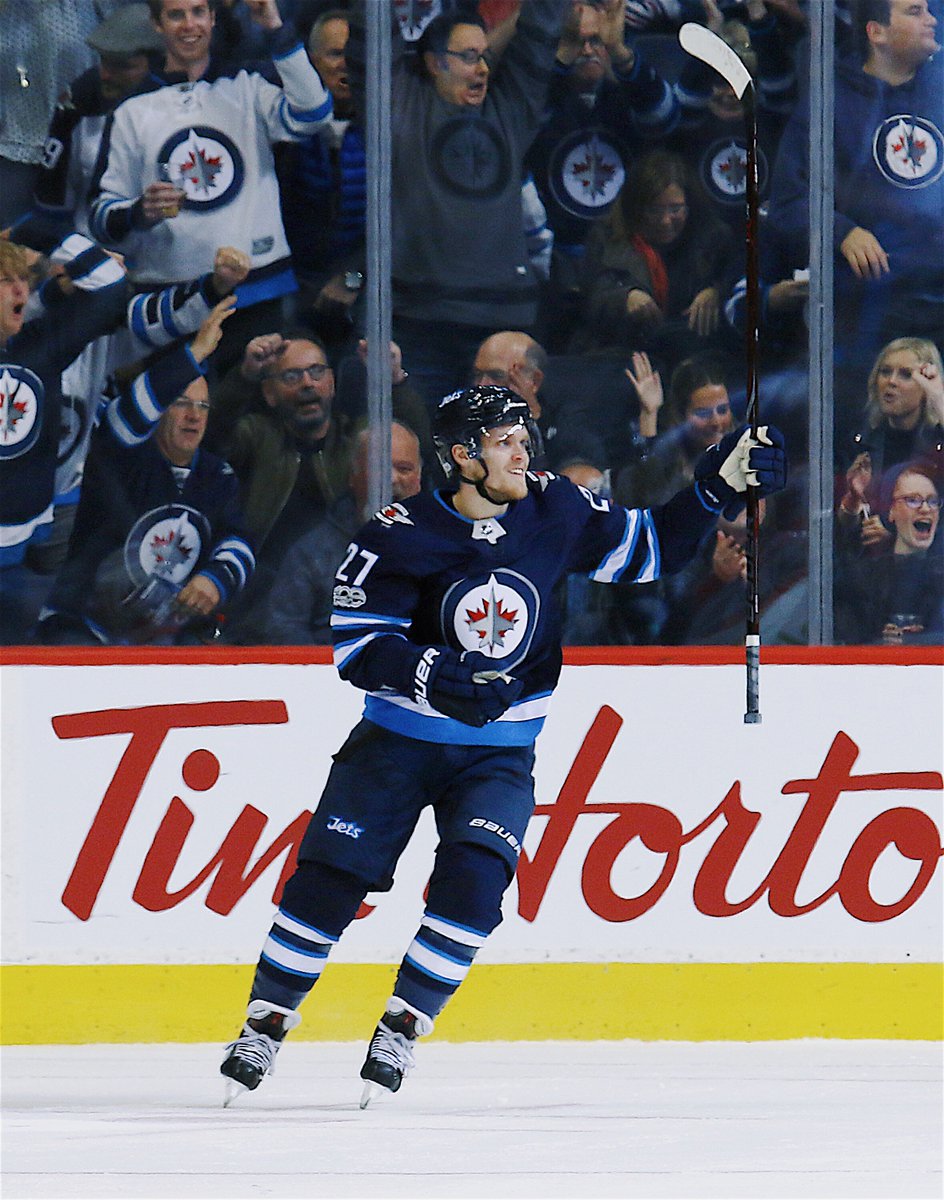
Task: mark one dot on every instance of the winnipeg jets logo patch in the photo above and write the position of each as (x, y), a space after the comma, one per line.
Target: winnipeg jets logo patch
(909, 151)
(586, 172)
(21, 395)
(724, 170)
(166, 542)
(205, 163)
(393, 514)
(497, 616)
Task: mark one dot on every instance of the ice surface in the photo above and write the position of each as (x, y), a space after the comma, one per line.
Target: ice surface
(501, 1119)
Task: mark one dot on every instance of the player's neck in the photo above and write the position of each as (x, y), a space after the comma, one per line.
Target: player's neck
(472, 504)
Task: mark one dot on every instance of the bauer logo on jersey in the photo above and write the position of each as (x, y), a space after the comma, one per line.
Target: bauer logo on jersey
(21, 399)
(497, 617)
(166, 542)
(909, 151)
(586, 172)
(205, 163)
(724, 170)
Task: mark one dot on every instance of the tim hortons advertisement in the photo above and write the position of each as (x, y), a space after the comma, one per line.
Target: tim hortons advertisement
(151, 814)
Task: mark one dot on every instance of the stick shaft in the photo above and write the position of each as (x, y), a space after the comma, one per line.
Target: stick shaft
(752, 634)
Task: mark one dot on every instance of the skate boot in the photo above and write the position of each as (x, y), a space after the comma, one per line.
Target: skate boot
(252, 1055)
(390, 1054)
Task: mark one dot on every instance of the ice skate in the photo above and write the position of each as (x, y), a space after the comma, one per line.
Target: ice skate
(390, 1054)
(252, 1056)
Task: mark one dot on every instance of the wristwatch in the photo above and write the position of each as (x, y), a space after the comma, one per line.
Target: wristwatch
(353, 280)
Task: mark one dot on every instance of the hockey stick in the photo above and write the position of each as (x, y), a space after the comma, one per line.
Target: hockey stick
(702, 43)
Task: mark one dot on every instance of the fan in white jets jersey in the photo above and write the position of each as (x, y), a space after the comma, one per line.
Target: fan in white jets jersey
(189, 166)
(445, 615)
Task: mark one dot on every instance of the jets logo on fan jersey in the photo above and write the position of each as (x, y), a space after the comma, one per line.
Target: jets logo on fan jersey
(166, 542)
(586, 172)
(497, 617)
(724, 170)
(205, 163)
(21, 397)
(909, 151)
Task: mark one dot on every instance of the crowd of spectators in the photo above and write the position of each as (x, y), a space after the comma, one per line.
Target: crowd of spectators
(183, 196)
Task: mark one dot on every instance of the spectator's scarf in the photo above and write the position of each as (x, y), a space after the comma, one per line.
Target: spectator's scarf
(657, 272)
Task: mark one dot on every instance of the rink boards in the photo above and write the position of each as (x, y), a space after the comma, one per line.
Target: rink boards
(684, 877)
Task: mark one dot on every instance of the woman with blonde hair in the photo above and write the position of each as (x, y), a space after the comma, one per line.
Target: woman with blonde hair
(904, 423)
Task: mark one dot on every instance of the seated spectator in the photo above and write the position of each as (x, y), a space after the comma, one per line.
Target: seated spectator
(292, 459)
(905, 409)
(656, 266)
(896, 595)
(700, 415)
(300, 602)
(85, 299)
(706, 604)
(512, 358)
(153, 320)
(409, 407)
(159, 542)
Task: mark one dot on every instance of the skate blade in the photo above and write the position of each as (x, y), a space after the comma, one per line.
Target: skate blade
(371, 1090)
(232, 1091)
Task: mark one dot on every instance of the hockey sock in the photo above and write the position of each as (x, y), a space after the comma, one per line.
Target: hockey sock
(463, 907)
(318, 904)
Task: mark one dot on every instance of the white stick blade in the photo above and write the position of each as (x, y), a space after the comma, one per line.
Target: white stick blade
(700, 42)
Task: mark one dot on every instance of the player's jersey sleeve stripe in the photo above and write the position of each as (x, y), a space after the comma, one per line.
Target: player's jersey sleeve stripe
(345, 652)
(342, 620)
(637, 558)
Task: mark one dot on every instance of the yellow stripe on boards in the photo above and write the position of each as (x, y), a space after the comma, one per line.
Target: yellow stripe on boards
(513, 1002)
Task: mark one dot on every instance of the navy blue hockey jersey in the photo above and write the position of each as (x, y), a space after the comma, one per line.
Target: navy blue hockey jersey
(421, 572)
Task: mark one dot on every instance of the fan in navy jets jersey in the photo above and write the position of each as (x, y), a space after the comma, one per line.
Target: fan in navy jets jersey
(159, 541)
(445, 615)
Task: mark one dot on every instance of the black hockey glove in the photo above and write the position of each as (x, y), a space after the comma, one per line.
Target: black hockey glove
(724, 471)
(466, 687)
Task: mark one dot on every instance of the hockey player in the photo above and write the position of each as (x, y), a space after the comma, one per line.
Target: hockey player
(444, 613)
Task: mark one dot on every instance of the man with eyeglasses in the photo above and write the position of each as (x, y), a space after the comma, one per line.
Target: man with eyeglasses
(605, 104)
(461, 124)
(159, 543)
(292, 457)
(896, 594)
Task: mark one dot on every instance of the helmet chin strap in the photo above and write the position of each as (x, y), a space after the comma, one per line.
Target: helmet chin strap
(479, 485)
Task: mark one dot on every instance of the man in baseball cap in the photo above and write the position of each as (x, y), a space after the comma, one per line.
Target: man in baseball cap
(123, 41)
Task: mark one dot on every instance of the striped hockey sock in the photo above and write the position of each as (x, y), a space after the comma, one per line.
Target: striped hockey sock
(436, 962)
(292, 959)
